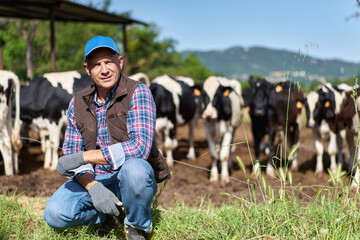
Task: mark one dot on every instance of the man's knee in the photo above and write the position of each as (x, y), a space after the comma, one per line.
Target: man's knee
(53, 217)
(138, 175)
(138, 169)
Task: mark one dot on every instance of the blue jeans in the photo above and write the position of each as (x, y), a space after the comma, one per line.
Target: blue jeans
(134, 185)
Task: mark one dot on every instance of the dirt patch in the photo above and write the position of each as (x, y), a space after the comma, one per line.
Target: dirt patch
(188, 183)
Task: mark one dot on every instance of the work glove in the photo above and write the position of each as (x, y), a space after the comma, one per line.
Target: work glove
(69, 162)
(104, 200)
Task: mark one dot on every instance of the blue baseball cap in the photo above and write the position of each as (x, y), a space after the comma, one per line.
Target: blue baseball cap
(99, 42)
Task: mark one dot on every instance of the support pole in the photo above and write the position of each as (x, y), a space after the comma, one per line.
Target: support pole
(52, 40)
(125, 55)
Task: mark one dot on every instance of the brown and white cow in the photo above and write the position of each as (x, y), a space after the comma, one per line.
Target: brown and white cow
(222, 112)
(350, 116)
(285, 104)
(10, 143)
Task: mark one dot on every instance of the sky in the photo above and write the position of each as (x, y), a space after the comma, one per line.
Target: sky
(316, 28)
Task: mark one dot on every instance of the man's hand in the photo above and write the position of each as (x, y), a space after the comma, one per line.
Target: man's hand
(104, 200)
(69, 162)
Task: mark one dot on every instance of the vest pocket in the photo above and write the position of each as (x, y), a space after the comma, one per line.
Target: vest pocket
(117, 127)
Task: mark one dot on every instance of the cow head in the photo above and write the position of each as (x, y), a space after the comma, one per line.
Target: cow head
(325, 109)
(312, 104)
(256, 97)
(348, 106)
(215, 100)
(198, 93)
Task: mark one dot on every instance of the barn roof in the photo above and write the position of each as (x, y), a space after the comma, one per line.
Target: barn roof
(60, 10)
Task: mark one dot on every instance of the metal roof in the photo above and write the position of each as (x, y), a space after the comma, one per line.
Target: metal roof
(62, 10)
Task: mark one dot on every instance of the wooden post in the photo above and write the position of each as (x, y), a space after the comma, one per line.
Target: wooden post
(52, 40)
(125, 55)
(1, 60)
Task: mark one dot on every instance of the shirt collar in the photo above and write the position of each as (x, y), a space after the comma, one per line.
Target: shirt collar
(109, 96)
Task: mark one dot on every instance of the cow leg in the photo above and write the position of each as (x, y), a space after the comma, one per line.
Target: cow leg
(332, 149)
(191, 153)
(319, 147)
(356, 181)
(295, 140)
(168, 149)
(47, 153)
(256, 169)
(5, 149)
(351, 145)
(54, 138)
(339, 154)
(164, 141)
(270, 166)
(210, 130)
(225, 156)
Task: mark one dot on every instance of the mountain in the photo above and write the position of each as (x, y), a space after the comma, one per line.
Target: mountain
(239, 63)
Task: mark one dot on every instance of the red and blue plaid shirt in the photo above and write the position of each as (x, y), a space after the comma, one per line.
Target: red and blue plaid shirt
(140, 127)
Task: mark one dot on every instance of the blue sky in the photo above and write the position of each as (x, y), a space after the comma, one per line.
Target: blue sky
(314, 27)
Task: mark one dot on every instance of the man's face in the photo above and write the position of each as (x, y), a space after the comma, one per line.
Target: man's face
(103, 66)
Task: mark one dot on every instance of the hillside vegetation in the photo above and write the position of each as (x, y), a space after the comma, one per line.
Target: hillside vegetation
(239, 63)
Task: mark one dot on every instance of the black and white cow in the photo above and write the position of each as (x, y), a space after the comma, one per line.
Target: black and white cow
(257, 97)
(175, 99)
(10, 143)
(222, 113)
(319, 128)
(285, 104)
(43, 104)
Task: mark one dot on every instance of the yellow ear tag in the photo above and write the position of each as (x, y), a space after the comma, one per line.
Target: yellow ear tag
(278, 88)
(327, 104)
(299, 105)
(226, 93)
(196, 92)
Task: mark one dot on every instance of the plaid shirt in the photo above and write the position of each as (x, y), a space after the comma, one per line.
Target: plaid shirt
(140, 127)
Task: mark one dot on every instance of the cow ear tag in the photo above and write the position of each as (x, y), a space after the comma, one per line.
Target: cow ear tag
(226, 93)
(278, 88)
(196, 92)
(327, 104)
(299, 105)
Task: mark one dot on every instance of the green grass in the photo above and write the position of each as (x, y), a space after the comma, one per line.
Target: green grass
(328, 216)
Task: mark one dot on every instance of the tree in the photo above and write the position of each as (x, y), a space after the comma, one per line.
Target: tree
(356, 14)
(28, 30)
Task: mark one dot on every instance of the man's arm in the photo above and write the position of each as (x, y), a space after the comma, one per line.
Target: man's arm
(94, 157)
(73, 145)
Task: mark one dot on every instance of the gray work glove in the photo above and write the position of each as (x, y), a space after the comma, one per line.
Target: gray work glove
(104, 200)
(69, 162)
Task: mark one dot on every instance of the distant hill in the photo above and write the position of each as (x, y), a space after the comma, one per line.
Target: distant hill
(239, 63)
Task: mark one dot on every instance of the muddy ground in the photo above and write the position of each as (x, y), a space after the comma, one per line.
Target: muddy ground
(188, 183)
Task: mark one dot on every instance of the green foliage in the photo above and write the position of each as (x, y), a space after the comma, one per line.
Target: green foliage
(14, 48)
(145, 52)
(326, 217)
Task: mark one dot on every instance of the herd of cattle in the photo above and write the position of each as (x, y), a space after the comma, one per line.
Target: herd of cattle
(275, 111)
